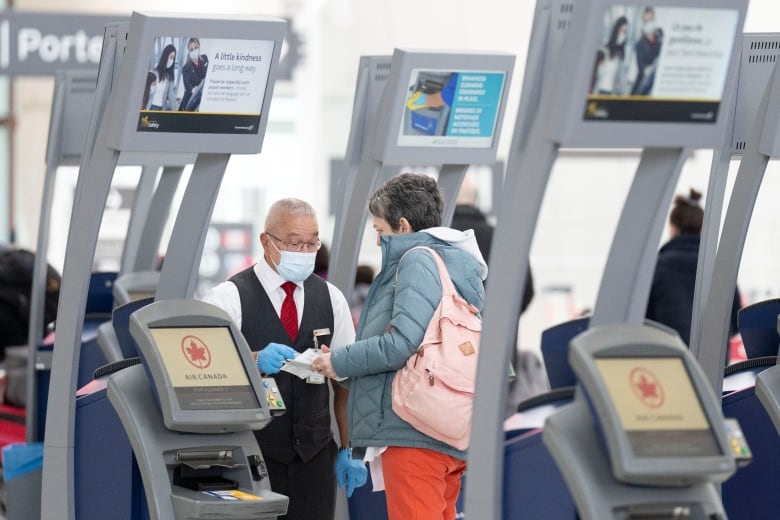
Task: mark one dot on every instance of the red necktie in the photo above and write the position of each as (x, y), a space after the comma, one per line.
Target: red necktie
(289, 314)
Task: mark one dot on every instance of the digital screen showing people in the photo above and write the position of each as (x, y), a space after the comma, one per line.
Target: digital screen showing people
(204, 368)
(658, 407)
(204, 85)
(451, 109)
(661, 64)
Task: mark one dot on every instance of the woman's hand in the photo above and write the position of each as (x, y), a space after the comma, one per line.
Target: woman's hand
(322, 364)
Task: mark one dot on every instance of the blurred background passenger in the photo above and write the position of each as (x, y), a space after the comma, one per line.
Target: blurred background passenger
(674, 280)
(363, 278)
(531, 378)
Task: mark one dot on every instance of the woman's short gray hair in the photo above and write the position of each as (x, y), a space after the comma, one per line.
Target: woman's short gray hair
(415, 197)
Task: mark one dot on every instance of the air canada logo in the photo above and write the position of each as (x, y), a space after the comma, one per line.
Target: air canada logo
(196, 352)
(595, 111)
(647, 387)
(149, 123)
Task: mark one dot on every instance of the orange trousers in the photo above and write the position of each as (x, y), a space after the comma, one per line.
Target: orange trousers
(421, 484)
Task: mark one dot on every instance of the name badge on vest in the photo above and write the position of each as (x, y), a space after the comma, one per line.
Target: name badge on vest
(317, 379)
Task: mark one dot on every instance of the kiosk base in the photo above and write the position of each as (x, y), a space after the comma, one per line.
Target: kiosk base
(571, 438)
(208, 458)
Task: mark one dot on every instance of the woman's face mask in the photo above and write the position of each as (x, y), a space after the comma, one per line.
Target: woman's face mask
(295, 267)
(170, 62)
(194, 53)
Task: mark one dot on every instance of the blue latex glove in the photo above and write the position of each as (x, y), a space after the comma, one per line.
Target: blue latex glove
(273, 356)
(350, 472)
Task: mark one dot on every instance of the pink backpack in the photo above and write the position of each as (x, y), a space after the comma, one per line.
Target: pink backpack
(434, 391)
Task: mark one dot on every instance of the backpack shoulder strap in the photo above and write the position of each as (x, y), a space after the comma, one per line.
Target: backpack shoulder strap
(447, 288)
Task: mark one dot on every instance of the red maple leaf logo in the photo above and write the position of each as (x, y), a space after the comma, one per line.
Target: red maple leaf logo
(196, 352)
(647, 387)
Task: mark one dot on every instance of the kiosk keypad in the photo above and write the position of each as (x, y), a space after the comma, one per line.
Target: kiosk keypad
(273, 396)
(737, 442)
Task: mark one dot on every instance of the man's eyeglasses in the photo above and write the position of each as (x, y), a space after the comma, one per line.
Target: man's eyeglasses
(297, 247)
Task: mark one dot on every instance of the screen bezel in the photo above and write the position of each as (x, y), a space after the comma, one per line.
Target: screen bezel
(188, 314)
(633, 341)
(570, 84)
(391, 108)
(125, 98)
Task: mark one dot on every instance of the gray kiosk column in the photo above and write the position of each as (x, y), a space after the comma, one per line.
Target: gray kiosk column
(117, 125)
(557, 110)
(753, 128)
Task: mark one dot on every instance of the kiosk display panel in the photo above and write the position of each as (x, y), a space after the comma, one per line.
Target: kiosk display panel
(204, 369)
(196, 83)
(224, 84)
(451, 108)
(442, 107)
(661, 64)
(658, 407)
(633, 74)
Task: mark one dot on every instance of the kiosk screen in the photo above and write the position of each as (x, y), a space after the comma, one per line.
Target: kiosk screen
(446, 108)
(658, 407)
(204, 368)
(664, 64)
(204, 85)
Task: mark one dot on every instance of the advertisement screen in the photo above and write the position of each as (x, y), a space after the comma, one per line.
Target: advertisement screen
(658, 407)
(664, 64)
(204, 85)
(204, 368)
(446, 108)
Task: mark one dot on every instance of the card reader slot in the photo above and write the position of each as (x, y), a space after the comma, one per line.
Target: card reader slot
(204, 459)
(202, 479)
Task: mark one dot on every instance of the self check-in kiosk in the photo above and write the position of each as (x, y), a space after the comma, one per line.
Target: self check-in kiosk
(198, 377)
(436, 108)
(561, 109)
(232, 118)
(645, 437)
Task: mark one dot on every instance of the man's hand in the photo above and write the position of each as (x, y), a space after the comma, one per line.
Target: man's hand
(273, 356)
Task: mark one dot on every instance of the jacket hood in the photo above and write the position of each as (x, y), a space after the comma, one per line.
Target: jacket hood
(464, 240)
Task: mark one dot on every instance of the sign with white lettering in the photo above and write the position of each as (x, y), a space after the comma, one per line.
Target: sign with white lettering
(37, 44)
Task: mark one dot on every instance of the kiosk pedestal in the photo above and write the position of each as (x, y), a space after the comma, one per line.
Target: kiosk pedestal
(572, 433)
(192, 476)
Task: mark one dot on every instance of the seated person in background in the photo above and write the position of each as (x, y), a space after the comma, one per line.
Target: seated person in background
(674, 280)
(16, 276)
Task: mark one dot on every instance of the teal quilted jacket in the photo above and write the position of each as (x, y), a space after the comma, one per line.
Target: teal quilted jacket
(394, 319)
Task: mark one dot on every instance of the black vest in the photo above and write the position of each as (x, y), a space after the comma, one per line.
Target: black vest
(304, 429)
